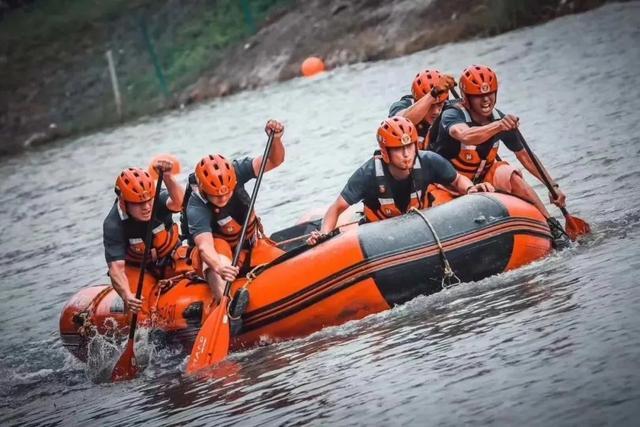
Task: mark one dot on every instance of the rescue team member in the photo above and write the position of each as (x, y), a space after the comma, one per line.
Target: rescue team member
(216, 210)
(469, 137)
(396, 179)
(126, 224)
(429, 93)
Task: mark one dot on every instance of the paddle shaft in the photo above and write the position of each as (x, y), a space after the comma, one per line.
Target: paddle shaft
(254, 194)
(145, 256)
(540, 170)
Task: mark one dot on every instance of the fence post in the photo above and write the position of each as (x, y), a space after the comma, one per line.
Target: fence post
(248, 16)
(154, 58)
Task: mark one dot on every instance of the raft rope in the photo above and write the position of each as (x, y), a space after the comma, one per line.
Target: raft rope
(251, 275)
(449, 278)
(85, 315)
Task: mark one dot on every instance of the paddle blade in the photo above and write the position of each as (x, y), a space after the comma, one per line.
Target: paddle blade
(127, 366)
(576, 227)
(212, 343)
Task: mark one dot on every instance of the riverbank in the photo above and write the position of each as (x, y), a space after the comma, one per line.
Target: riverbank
(56, 81)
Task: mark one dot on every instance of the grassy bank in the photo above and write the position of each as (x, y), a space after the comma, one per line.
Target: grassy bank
(53, 50)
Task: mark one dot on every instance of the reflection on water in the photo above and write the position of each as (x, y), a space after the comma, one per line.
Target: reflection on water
(555, 343)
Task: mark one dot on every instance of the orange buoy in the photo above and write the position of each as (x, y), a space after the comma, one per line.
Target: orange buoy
(174, 170)
(312, 66)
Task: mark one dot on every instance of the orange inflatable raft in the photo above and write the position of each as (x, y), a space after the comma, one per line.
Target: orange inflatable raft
(362, 270)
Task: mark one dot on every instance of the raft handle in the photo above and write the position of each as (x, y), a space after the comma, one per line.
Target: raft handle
(447, 272)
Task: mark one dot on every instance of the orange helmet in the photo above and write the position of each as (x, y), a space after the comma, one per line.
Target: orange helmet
(425, 81)
(394, 132)
(478, 80)
(215, 175)
(135, 185)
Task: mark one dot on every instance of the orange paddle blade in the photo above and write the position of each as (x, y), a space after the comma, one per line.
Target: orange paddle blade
(127, 366)
(212, 343)
(576, 227)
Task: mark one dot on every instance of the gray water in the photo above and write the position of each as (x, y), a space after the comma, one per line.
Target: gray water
(554, 343)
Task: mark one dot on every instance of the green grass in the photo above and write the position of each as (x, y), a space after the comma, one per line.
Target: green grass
(54, 19)
(189, 38)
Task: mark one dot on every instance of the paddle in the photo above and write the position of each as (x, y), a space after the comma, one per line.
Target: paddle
(127, 368)
(574, 226)
(212, 343)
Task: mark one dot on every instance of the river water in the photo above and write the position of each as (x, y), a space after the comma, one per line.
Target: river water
(554, 343)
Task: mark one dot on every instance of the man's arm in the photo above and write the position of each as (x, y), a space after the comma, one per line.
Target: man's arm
(176, 193)
(276, 155)
(209, 256)
(528, 164)
(330, 218)
(526, 161)
(477, 135)
(418, 110)
(463, 185)
(120, 283)
(446, 175)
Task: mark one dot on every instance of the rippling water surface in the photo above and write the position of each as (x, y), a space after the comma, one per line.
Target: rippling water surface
(555, 343)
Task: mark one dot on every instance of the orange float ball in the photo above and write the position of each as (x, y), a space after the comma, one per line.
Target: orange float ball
(312, 66)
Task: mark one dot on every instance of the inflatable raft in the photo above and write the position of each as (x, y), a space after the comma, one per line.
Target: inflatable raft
(362, 270)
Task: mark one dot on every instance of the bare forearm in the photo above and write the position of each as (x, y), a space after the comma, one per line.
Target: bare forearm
(530, 166)
(275, 159)
(210, 257)
(329, 221)
(119, 279)
(176, 193)
(333, 213)
(418, 111)
(208, 254)
(461, 184)
(475, 135)
(276, 156)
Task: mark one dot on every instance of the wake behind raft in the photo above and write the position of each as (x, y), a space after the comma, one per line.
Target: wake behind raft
(363, 270)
